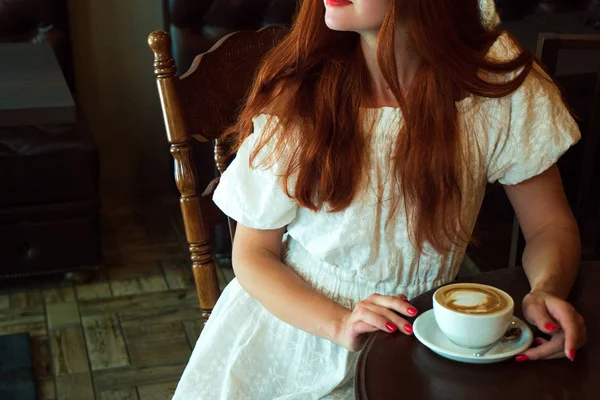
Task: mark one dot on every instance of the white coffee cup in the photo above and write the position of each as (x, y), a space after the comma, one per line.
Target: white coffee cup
(472, 315)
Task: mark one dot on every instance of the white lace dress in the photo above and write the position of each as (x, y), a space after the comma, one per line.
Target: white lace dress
(245, 352)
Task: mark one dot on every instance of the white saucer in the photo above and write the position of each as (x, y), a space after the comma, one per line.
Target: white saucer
(427, 331)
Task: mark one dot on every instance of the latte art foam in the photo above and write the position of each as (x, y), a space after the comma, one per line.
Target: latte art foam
(472, 300)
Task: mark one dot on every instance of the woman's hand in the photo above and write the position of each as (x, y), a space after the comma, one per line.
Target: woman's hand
(557, 318)
(373, 314)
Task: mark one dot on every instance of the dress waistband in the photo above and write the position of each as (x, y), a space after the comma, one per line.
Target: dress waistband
(344, 285)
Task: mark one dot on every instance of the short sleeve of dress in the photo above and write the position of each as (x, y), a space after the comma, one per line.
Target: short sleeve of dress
(540, 130)
(254, 197)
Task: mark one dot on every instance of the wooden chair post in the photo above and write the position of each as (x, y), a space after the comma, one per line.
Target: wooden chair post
(196, 230)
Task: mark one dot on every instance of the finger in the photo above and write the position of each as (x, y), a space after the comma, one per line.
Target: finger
(566, 316)
(554, 356)
(399, 322)
(537, 314)
(370, 314)
(394, 303)
(545, 349)
(557, 355)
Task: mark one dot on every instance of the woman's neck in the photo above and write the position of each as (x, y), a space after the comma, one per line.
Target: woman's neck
(407, 63)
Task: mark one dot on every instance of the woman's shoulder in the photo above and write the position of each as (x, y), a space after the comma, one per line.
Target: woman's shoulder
(279, 96)
(504, 48)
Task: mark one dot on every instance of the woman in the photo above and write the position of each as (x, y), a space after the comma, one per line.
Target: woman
(377, 124)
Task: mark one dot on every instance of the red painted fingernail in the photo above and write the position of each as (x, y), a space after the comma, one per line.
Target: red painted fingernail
(408, 328)
(550, 326)
(412, 311)
(391, 327)
(522, 357)
(403, 297)
(538, 341)
(572, 354)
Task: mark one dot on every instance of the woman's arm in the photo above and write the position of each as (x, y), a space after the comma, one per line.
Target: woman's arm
(260, 271)
(551, 261)
(553, 249)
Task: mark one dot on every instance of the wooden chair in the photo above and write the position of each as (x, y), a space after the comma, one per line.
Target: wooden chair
(199, 105)
(548, 49)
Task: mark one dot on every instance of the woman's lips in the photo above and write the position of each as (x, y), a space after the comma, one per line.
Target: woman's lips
(337, 3)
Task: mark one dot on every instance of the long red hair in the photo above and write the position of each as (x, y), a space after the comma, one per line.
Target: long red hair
(326, 87)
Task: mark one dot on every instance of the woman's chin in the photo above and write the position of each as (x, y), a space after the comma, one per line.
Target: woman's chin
(336, 25)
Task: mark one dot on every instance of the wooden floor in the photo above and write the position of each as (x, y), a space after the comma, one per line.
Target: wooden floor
(129, 332)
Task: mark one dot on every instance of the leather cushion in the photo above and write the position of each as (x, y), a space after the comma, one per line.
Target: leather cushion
(49, 237)
(230, 14)
(236, 14)
(23, 16)
(41, 165)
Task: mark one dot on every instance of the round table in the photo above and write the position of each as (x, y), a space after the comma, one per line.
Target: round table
(396, 366)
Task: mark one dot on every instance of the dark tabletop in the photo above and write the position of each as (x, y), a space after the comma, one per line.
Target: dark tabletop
(33, 90)
(395, 366)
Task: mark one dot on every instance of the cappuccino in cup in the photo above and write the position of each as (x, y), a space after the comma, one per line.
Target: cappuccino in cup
(472, 315)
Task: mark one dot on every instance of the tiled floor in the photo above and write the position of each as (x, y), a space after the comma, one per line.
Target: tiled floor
(129, 332)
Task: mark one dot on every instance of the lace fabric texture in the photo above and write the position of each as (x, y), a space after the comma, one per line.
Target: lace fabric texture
(245, 352)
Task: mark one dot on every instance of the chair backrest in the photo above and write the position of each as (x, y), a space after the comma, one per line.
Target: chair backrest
(200, 105)
(548, 49)
(585, 207)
